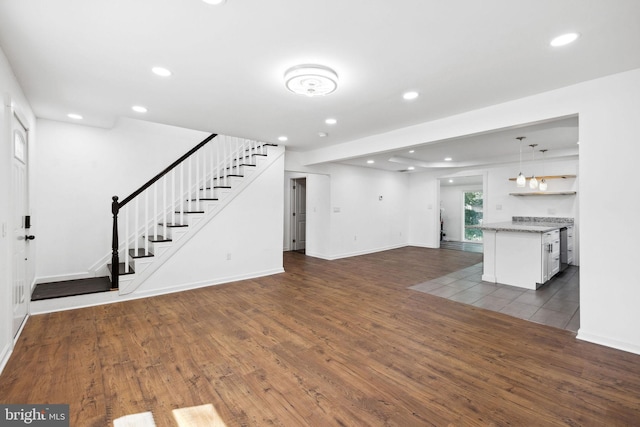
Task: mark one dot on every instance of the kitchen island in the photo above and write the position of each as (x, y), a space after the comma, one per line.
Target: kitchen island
(527, 251)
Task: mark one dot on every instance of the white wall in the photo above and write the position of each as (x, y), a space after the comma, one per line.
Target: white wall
(352, 210)
(78, 170)
(608, 109)
(243, 240)
(11, 96)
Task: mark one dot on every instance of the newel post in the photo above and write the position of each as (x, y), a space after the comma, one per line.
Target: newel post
(115, 259)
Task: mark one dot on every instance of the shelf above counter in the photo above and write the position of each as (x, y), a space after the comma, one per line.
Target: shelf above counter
(545, 193)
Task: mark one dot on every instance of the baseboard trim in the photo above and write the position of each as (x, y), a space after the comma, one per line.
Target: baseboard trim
(357, 253)
(206, 283)
(102, 298)
(608, 342)
(5, 354)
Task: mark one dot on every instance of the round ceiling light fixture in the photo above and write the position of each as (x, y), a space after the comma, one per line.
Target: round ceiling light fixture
(311, 80)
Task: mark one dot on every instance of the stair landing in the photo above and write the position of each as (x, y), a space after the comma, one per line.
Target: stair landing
(70, 288)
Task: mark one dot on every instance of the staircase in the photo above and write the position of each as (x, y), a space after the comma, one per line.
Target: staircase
(164, 214)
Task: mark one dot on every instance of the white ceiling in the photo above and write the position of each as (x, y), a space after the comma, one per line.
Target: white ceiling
(94, 59)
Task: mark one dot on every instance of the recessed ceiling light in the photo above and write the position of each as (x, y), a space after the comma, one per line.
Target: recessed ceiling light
(161, 71)
(311, 80)
(74, 116)
(411, 168)
(283, 138)
(450, 180)
(564, 39)
(139, 109)
(331, 121)
(214, 2)
(410, 95)
(323, 134)
(447, 159)
(371, 162)
(412, 151)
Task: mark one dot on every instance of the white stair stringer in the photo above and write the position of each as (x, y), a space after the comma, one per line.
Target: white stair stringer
(145, 267)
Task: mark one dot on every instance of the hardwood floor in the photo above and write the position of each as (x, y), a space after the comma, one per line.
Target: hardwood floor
(341, 343)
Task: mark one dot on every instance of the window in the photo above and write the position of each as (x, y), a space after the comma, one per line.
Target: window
(472, 215)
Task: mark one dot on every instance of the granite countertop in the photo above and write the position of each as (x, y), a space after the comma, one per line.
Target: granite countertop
(527, 224)
(528, 227)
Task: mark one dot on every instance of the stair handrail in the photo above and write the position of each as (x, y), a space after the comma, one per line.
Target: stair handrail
(116, 206)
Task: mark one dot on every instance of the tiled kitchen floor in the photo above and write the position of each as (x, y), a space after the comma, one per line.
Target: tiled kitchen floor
(557, 303)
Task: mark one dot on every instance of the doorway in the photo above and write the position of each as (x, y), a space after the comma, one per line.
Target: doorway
(21, 221)
(461, 204)
(298, 214)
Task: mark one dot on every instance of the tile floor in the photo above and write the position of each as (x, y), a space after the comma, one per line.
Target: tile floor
(556, 304)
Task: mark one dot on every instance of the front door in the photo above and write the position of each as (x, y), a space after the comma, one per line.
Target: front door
(19, 175)
(299, 213)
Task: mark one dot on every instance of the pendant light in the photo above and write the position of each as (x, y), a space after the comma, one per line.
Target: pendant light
(533, 182)
(521, 180)
(543, 182)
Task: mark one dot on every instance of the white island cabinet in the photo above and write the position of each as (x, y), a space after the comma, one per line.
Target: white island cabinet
(521, 254)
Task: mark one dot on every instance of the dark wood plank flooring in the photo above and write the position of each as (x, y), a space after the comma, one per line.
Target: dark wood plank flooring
(69, 288)
(328, 343)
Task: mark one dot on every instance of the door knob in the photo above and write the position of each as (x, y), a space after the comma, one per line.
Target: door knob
(29, 237)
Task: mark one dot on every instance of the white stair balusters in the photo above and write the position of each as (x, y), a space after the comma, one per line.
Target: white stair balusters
(194, 179)
(126, 241)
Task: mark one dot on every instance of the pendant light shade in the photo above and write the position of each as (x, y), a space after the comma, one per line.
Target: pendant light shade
(543, 182)
(521, 181)
(533, 182)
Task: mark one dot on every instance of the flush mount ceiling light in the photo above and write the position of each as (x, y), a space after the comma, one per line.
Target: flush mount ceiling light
(564, 39)
(331, 121)
(214, 2)
(371, 162)
(139, 109)
(311, 80)
(74, 116)
(283, 138)
(447, 159)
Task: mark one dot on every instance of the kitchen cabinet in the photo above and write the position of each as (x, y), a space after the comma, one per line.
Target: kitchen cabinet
(523, 259)
(526, 252)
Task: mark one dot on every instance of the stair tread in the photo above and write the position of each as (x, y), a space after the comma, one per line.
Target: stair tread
(121, 271)
(158, 238)
(208, 199)
(173, 225)
(69, 288)
(191, 212)
(141, 253)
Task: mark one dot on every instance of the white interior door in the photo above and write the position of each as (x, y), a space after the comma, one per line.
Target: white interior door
(19, 175)
(299, 214)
